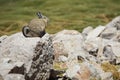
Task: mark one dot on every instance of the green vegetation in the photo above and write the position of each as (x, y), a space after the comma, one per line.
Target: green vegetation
(63, 14)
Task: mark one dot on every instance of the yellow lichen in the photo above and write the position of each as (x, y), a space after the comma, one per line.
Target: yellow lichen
(59, 66)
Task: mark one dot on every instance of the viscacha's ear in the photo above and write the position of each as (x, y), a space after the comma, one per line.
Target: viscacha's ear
(39, 14)
(25, 31)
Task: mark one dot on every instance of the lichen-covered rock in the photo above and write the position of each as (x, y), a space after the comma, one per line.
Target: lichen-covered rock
(42, 61)
(16, 53)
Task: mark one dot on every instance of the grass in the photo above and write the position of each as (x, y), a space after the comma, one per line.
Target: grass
(63, 14)
(107, 67)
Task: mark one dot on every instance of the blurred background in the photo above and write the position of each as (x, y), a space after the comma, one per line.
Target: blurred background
(63, 14)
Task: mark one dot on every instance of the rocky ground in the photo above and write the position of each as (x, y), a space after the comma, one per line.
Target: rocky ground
(93, 54)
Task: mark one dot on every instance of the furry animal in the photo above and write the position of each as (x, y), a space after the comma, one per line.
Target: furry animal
(36, 27)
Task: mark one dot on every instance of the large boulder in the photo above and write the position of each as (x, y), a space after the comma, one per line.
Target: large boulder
(20, 55)
(68, 42)
(15, 51)
(42, 62)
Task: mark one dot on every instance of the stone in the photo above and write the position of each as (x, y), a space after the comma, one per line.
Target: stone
(108, 54)
(2, 38)
(42, 61)
(106, 76)
(18, 70)
(117, 36)
(95, 32)
(114, 23)
(94, 46)
(115, 46)
(94, 68)
(1, 77)
(15, 51)
(62, 59)
(86, 31)
(84, 71)
(108, 33)
(10, 67)
(14, 77)
(71, 72)
(18, 48)
(68, 42)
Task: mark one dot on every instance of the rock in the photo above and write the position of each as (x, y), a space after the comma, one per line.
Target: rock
(116, 48)
(55, 74)
(115, 23)
(1, 78)
(15, 51)
(95, 70)
(108, 54)
(17, 47)
(106, 76)
(116, 51)
(62, 59)
(113, 50)
(7, 67)
(67, 42)
(18, 70)
(95, 32)
(16, 54)
(42, 61)
(108, 33)
(116, 37)
(2, 38)
(71, 72)
(112, 30)
(94, 46)
(86, 31)
(84, 71)
(14, 77)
